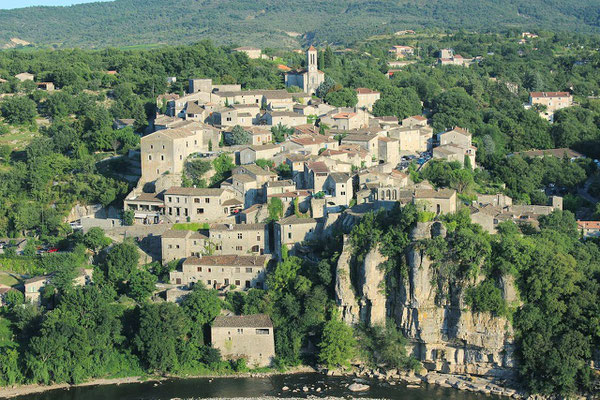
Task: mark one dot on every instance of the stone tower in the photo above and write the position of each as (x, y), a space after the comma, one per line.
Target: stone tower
(312, 75)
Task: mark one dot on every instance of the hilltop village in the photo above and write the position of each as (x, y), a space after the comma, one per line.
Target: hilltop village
(392, 207)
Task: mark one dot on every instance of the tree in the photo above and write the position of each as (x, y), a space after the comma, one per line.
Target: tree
(399, 102)
(121, 261)
(201, 306)
(345, 97)
(222, 166)
(95, 239)
(160, 335)
(14, 298)
(275, 208)
(338, 345)
(325, 87)
(141, 285)
(18, 110)
(194, 171)
(128, 217)
(239, 136)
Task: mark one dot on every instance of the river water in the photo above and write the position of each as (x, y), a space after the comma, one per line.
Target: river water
(202, 388)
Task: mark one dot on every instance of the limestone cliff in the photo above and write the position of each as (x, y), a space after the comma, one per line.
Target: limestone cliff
(443, 333)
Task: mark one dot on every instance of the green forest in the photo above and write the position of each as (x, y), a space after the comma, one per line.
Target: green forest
(277, 23)
(59, 148)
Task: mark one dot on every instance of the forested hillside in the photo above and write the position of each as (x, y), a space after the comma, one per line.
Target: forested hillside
(277, 22)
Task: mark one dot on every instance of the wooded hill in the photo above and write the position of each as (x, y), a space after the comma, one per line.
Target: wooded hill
(278, 22)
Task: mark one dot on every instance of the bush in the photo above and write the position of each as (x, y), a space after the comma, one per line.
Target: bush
(486, 297)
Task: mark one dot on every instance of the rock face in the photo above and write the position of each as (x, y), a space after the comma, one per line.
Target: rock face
(443, 334)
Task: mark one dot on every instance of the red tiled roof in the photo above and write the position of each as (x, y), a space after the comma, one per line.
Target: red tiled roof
(362, 90)
(588, 224)
(344, 115)
(550, 94)
(419, 117)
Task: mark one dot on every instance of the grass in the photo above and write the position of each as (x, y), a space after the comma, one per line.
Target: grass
(18, 138)
(8, 280)
(191, 226)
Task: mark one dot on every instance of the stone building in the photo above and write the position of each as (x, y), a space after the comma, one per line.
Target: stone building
(388, 150)
(33, 288)
(250, 154)
(442, 201)
(239, 238)
(367, 98)
(293, 230)
(200, 205)
(284, 118)
(250, 337)
(176, 245)
(338, 186)
(165, 151)
(252, 52)
(550, 102)
(307, 79)
(227, 272)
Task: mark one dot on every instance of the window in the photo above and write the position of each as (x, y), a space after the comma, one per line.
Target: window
(162, 158)
(240, 236)
(195, 142)
(248, 270)
(218, 247)
(180, 157)
(237, 270)
(151, 146)
(210, 270)
(238, 248)
(240, 331)
(342, 193)
(196, 200)
(177, 199)
(237, 282)
(229, 119)
(247, 284)
(170, 199)
(199, 269)
(149, 157)
(207, 200)
(170, 246)
(178, 281)
(262, 331)
(163, 146)
(177, 246)
(208, 281)
(258, 238)
(289, 235)
(199, 210)
(255, 249)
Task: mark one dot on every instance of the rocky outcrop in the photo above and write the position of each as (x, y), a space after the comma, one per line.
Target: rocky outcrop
(366, 302)
(443, 333)
(344, 294)
(79, 211)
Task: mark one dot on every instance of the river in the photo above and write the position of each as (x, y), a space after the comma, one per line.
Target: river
(202, 388)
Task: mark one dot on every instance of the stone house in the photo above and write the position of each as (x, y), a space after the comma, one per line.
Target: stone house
(367, 98)
(551, 101)
(200, 205)
(227, 98)
(250, 337)
(558, 153)
(47, 86)
(345, 121)
(315, 175)
(239, 239)
(250, 154)
(233, 116)
(248, 181)
(451, 152)
(442, 201)
(260, 136)
(176, 245)
(589, 228)
(415, 120)
(413, 139)
(223, 272)
(285, 118)
(196, 112)
(401, 51)
(311, 144)
(457, 136)
(368, 142)
(308, 79)
(388, 150)
(278, 100)
(353, 155)
(147, 207)
(305, 109)
(33, 288)
(165, 151)
(279, 187)
(252, 52)
(339, 186)
(293, 230)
